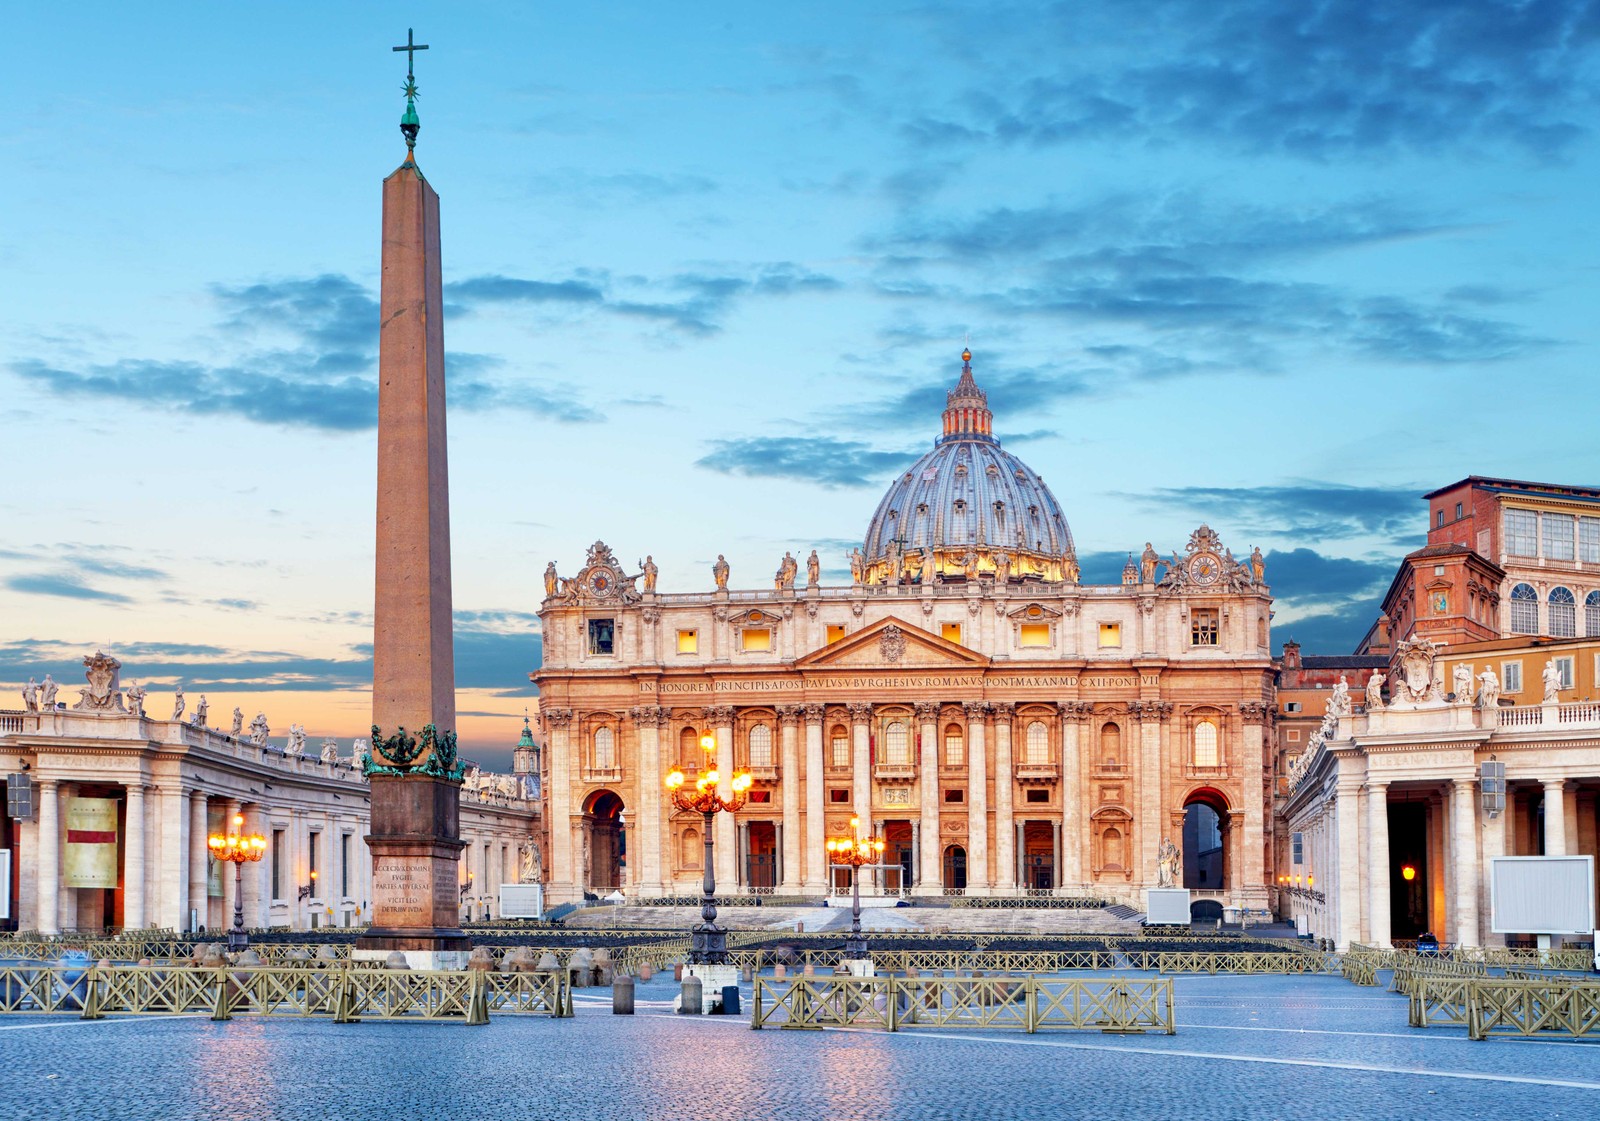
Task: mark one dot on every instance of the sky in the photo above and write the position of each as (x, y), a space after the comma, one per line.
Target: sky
(1276, 267)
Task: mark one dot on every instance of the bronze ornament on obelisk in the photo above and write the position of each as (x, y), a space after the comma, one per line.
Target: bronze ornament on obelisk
(414, 772)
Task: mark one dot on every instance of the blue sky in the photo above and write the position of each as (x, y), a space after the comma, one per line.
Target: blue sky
(1275, 267)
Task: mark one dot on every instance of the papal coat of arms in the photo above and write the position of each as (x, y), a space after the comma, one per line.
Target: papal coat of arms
(892, 643)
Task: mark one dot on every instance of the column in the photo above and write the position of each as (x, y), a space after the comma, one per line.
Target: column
(256, 873)
(49, 873)
(1348, 888)
(230, 875)
(1378, 863)
(720, 717)
(1464, 819)
(199, 856)
(66, 912)
(1250, 888)
(977, 800)
(861, 763)
(929, 869)
(1055, 849)
(816, 864)
(916, 855)
(1005, 855)
(790, 791)
(1148, 811)
(646, 863)
(1074, 794)
(133, 860)
(741, 853)
(172, 908)
(1494, 844)
(1020, 851)
(564, 874)
(1555, 818)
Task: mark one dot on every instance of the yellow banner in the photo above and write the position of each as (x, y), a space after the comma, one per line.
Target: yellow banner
(91, 856)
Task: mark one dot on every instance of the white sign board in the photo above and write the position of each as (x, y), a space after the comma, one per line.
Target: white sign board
(522, 901)
(1167, 906)
(1541, 894)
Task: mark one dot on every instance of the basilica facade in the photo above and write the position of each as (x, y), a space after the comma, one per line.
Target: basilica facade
(1006, 729)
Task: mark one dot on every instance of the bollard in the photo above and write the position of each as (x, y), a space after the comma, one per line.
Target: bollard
(780, 971)
(677, 972)
(809, 970)
(690, 1003)
(747, 974)
(622, 995)
(396, 960)
(645, 972)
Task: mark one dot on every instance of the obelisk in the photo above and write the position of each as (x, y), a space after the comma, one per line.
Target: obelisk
(413, 769)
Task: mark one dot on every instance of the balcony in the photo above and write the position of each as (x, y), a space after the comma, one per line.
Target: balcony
(763, 772)
(895, 772)
(600, 774)
(1038, 772)
(1192, 771)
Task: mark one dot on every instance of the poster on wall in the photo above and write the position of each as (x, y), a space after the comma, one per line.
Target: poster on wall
(91, 856)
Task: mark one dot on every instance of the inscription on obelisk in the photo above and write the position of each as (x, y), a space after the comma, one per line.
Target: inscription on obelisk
(414, 773)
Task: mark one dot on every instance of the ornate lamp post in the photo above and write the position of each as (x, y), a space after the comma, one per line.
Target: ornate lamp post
(855, 851)
(710, 941)
(237, 847)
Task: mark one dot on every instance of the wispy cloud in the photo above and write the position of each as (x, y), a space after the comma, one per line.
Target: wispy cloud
(1308, 510)
(821, 460)
(63, 585)
(1336, 78)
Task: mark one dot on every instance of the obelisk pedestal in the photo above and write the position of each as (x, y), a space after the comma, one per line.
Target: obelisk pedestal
(414, 772)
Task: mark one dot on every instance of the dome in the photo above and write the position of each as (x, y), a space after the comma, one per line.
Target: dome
(968, 508)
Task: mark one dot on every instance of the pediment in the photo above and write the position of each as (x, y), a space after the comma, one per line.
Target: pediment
(892, 644)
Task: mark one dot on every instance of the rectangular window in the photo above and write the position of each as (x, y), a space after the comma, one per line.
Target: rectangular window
(1035, 634)
(1439, 518)
(344, 865)
(602, 636)
(1511, 677)
(1589, 540)
(1203, 626)
(1038, 796)
(1556, 530)
(277, 863)
(838, 795)
(1110, 635)
(760, 796)
(841, 752)
(1458, 511)
(950, 632)
(755, 639)
(1564, 668)
(688, 642)
(1291, 706)
(835, 632)
(1522, 533)
(953, 754)
(1297, 848)
(955, 795)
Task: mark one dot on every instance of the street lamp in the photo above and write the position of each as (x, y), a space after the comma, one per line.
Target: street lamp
(709, 945)
(855, 851)
(238, 847)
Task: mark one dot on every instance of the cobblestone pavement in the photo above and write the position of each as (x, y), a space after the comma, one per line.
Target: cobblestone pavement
(1247, 1047)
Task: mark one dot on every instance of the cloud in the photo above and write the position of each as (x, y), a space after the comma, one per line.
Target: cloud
(1337, 78)
(64, 585)
(822, 460)
(694, 303)
(1307, 510)
(306, 352)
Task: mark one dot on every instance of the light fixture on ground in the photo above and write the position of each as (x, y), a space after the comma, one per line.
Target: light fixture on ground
(855, 851)
(709, 945)
(237, 847)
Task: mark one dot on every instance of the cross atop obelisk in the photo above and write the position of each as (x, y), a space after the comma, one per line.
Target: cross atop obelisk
(410, 124)
(413, 768)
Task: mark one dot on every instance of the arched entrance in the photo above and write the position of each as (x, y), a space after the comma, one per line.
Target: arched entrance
(608, 853)
(955, 868)
(1205, 841)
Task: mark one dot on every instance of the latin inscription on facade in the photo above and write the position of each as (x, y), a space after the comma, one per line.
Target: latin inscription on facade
(410, 892)
(905, 681)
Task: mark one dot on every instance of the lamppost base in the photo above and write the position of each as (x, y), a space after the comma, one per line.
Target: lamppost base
(708, 944)
(713, 979)
(859, 967)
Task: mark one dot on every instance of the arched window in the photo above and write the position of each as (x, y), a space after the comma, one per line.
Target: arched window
(1524, 610)
(1111, 849)
(691, 849)
(761, 746)
(954, 750)
(1591, 615)
(1563, 613)
(1110, 743)
(605, 749)
(896, 745)
(840, 742)
(1036, 745)
(1205, 744)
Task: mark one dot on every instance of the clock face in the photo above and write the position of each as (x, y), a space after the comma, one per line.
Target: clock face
(601, 581)
(1204, 568)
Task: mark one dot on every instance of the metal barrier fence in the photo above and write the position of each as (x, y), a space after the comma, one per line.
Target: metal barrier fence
(345, 995)
(1029, 1003)
(1507, 1006)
